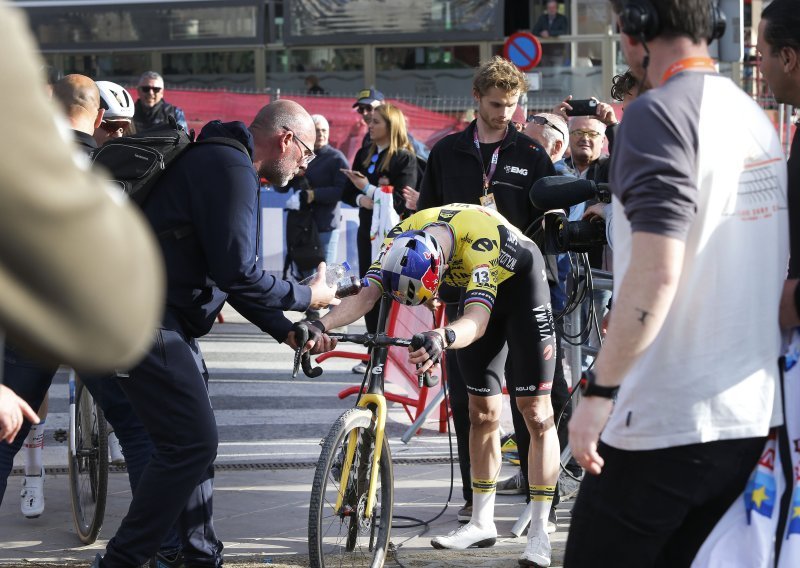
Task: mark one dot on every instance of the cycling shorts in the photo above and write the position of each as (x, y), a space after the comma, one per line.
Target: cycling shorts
(522, 317)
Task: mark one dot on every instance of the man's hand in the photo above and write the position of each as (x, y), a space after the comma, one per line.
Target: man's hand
(365, 202)
(561, 108)
(595, 212)
(587, 421)
(13, 411)
(411, 196)
(322, 295)
(605, 114)
(428, 355)
(318, 340)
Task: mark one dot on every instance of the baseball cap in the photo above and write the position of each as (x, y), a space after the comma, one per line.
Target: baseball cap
(369, 97)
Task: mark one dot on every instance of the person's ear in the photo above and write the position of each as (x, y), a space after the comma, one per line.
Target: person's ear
(789, 58)
(99, 118)
(559, 144)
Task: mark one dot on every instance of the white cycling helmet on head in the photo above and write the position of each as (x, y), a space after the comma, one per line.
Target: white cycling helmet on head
(116, 101)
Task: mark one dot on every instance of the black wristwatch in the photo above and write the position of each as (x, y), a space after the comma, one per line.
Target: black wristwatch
(449, 336)
(590, 388)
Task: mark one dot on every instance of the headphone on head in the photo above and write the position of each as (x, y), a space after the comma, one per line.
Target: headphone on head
(640, 18)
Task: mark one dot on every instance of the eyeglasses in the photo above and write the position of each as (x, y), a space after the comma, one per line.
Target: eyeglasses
(591, 134)
(542, 121)
(361, 109)
(149, 89)
(374, 161)
(306, 157)
(112, 126)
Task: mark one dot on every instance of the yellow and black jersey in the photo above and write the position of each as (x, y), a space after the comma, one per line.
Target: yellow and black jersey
(487, 249)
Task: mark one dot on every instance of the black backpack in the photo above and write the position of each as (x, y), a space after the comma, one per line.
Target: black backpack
(136, 162)
(302, 241)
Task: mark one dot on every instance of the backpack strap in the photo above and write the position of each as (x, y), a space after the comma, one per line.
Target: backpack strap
(184, 231)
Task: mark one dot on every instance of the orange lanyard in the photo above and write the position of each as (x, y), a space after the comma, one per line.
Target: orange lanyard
(702, 63)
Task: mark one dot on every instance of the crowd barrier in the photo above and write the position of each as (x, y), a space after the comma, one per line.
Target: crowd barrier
(405, 321)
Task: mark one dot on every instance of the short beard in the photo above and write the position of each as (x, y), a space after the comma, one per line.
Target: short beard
(278, 173)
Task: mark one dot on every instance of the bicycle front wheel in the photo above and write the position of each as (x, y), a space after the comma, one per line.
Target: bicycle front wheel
(88, 466)
(347, 536)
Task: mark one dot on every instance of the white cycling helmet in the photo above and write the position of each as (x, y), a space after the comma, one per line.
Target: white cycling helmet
(116, 101)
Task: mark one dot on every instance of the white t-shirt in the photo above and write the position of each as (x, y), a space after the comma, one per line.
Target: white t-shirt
(698, 160)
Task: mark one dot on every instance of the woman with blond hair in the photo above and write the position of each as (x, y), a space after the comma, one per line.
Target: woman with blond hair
(387, 161)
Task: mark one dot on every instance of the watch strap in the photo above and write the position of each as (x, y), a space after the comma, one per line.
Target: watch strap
(589, 387)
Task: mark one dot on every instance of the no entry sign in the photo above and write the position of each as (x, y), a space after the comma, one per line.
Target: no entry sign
(523, 50)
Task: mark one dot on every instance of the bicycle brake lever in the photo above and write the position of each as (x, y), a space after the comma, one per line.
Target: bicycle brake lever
(308, 369)
(300, 337)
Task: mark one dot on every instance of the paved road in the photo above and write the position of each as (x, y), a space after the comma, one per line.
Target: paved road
(270, 429)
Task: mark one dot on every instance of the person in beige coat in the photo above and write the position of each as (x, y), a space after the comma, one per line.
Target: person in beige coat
(81, 278)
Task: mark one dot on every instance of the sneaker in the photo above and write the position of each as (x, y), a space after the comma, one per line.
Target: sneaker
(466, 536)
(465, 513)
(567, 486)
(514, 485)
(552, 522)
(115, 456)
(537, 550)
(166, 560)
(361, 368)
(32, 495)
(508, 443)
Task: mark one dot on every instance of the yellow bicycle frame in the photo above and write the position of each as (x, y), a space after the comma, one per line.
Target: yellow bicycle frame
(380, 413)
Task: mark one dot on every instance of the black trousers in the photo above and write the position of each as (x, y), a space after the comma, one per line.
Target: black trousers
(655, 508)
(168, 391)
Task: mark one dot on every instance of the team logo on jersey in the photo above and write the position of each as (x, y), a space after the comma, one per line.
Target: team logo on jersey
(516, 170)
(446, 214)
(483, 245)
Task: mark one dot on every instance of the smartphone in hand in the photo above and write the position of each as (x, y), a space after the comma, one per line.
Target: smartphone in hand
(582, 107)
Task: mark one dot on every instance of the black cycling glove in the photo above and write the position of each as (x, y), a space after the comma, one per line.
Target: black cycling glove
(315, 330)
(431, 342)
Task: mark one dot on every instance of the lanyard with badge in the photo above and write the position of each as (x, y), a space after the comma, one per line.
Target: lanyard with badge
(698, 63)
(487, 200)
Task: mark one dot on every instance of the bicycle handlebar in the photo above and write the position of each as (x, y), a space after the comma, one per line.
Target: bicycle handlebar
(366, 339)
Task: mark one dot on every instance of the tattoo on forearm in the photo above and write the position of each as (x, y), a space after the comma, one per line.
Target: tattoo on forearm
(644, 314)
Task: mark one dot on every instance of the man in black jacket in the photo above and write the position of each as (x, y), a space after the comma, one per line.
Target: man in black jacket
(151, 108)
(209, 241)
(492, 164)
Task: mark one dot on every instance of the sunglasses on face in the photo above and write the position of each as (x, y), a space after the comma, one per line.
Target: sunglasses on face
(591, 134)
(373, 163)
(361, 109)
(307, 157)
(148, 89)
(112, 126)
(542, 121)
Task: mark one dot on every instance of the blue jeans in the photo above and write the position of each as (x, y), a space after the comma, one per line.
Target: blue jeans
(31, 380)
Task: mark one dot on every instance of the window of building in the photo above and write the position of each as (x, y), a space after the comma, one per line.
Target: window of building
(428, 57)
(165, 25)
(210, 68)
(594, 16)
(118, 67)
(317, 59)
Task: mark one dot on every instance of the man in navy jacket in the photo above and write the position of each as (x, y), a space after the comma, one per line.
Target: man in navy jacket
(205, 210)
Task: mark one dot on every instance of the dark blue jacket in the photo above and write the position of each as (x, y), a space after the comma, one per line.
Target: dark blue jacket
(325, 178)
(212, 191)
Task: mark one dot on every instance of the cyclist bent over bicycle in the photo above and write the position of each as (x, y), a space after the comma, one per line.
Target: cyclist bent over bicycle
(506, 299)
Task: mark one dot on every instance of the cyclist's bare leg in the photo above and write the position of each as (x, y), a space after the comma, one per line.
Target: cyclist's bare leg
(484, 451)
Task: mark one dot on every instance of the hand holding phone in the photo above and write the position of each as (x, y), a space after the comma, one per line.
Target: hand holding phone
(582, 107)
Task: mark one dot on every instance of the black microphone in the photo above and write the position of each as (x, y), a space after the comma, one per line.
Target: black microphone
(561, 192)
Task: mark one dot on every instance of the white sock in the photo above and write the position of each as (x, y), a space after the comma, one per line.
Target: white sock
(483, 494)
(542, 501)
(33, 445)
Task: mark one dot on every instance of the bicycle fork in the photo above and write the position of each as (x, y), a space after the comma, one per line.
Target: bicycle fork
(379, 413)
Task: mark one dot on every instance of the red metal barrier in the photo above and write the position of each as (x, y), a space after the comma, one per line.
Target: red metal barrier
(404, 321)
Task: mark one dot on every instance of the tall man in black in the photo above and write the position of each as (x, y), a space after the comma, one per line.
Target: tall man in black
(211, 262)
